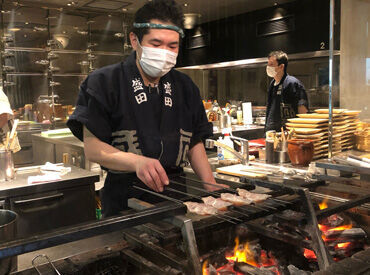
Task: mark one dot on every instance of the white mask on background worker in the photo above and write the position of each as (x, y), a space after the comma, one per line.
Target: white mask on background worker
(156, 62)
(270, 70)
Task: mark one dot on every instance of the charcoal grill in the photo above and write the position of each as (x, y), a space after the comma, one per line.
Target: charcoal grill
(171, 211)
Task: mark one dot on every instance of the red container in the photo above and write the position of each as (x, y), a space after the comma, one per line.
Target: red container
(300, 151)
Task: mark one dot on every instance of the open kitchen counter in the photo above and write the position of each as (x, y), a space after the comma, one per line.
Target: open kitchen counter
(47, 205)
(281, 230)
(244, 131)
(19, 185)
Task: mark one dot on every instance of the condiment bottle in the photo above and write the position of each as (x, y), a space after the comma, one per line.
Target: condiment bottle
(227, 141)
(239, 116)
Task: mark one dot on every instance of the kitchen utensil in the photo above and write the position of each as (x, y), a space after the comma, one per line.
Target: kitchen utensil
(6, 165)
(225, 121)
(262, 153)
(48, 261)
(300, 151)
(281, 157)
(8, 231)
(269, 151)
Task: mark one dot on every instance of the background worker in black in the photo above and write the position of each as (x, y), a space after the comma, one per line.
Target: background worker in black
(141, 119)
(286, 95)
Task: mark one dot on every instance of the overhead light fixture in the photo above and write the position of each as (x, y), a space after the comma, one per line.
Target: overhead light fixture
(72, 3)
(276, 3)
(186, 4)
(190, 20)
(63, 40)
(124, 9)
(112, 5)
(14, 29)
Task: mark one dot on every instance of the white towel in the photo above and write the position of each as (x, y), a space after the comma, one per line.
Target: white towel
(51, 168)
(43, 178)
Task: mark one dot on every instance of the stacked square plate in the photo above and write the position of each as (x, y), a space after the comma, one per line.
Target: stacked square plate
(315, 126)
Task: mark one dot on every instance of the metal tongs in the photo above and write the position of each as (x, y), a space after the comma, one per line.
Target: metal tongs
(49, 261)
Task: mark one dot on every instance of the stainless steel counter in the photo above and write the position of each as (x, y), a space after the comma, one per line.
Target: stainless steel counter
(46, 206)
(243, 131)
(61, 149)
(19, 185)
(68, 140)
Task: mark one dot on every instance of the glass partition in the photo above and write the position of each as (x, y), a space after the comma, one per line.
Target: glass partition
(95, 41)
(355, 56)
(44, 45)
(250, 83)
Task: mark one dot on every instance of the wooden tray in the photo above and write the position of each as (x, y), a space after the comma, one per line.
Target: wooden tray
(352, 112)
(311, 136)
(308, 131)
(238, 170)
(316, 115)
(306, 125)
(307, 120)
(326, 111)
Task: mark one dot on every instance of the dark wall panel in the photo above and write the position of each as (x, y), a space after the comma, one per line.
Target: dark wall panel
(235, 37)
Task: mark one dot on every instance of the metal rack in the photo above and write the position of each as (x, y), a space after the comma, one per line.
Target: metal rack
(284, 197)
(52, 50)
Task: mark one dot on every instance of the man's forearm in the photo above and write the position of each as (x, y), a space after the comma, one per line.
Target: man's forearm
(199, 162)
(108, 156)
(148, 170)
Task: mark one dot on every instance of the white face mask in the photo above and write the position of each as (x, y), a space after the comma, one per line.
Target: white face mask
(271, 71)
(156, 62)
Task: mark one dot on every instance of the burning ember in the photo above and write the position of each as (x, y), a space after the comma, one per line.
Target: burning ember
(242, 253)
(244, 256)
(309, 254)
(341, 239)
(323, 204)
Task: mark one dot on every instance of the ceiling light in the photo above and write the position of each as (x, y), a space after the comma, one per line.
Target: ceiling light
(14, 29)
(26, 23)
(190, 20)
(124, 9)
(72, 3)
(186, 4)
(63, 40)
(275, 4)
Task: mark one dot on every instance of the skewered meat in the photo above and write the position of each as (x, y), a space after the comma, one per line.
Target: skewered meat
(235, 199)
(216, 203)
(255, 197)
(200, 208)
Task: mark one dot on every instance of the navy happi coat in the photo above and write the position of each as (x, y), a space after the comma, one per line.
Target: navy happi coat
(161, 123)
